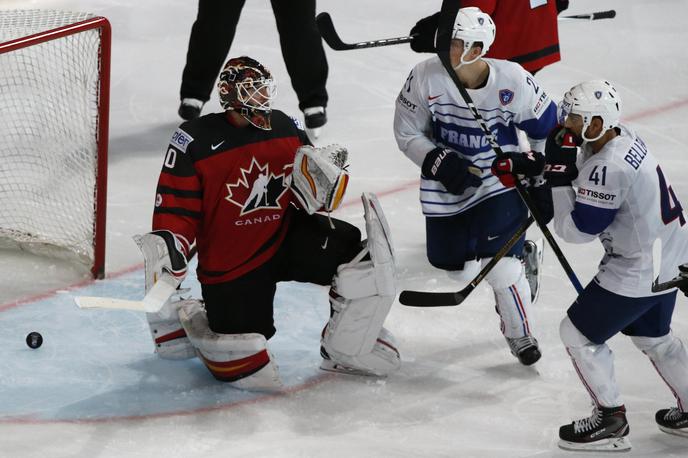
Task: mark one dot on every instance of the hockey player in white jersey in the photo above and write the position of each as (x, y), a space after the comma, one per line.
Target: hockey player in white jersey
(616, 191)
(469, 213)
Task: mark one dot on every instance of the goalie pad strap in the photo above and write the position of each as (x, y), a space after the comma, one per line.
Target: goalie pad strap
(169, 337)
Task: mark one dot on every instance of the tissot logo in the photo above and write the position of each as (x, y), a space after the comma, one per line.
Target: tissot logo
(256, 189)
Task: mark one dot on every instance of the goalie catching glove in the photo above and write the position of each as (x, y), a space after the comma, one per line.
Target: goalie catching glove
(319, 178)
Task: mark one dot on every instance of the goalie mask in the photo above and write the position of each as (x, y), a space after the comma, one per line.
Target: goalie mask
(247, 87)
(590, 99)
(473, 26)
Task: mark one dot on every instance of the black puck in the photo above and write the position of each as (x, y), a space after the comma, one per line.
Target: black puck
(34, 339)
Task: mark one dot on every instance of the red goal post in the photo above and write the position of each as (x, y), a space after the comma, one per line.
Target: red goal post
(54, 114)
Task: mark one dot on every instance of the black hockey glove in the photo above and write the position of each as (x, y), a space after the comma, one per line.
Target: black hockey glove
(425, 31)
(507, 166)
(683, 273)
(454, 172)
(562, 5)
(560, 158)
(541, 193)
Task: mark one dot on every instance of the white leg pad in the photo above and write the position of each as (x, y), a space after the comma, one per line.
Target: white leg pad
(668, 355)
(512, 295)
(169, 337)
(243, 360)
(361, 296)
(594, 365)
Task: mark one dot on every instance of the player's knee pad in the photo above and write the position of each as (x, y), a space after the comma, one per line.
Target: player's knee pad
(570, 336)
(505, 273)
(512, 295)
(658, 348)
(468, 273)
(361, 296)
(240, 359)
(169, 336)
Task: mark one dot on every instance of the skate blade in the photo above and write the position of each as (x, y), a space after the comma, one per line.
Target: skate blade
(330, 366)
(615, 444)
(683, 432)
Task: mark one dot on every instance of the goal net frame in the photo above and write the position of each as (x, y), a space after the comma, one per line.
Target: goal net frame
(102, 123)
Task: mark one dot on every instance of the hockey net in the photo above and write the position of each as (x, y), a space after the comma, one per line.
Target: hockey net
(54, 103)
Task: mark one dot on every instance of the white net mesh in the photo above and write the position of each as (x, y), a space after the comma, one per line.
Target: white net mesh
(48, 122)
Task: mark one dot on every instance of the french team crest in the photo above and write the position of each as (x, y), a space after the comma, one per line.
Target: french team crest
(257, 188)
(506, 96)
(598, 95)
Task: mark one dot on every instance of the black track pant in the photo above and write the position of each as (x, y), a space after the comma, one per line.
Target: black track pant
(213, 32)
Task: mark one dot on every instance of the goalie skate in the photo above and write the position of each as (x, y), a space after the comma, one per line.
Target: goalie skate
(605, 430)
(532, 260)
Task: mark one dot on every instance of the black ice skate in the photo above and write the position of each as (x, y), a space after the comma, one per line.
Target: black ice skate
(532, 260)
(190, 109)
(605, 430)
(315, 118)
(525, 348)
(673, 421)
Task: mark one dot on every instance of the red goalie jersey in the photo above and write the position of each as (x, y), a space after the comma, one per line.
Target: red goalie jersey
(527, 31)
(226, 188)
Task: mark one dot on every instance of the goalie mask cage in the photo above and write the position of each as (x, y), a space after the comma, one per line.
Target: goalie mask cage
(54, 104)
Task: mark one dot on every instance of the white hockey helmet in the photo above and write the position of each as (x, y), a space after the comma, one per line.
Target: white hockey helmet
(472, 26)
(590, 99)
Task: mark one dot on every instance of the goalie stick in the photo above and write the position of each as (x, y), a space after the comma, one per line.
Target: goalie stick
(444, 33)
(331, 37)
(440, 299)
(152, 302)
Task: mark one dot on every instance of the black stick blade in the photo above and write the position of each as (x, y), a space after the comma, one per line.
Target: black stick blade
(329, 34)
(430, 299)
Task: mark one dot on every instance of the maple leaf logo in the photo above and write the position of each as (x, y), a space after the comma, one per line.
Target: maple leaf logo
(256, 189)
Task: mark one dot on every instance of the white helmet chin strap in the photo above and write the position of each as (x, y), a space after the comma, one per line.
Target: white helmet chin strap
(586, 124)
(466, 47)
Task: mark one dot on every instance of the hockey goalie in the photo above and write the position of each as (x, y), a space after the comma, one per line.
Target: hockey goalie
(244, 187)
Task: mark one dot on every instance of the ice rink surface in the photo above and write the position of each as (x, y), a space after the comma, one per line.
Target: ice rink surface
(95, 389)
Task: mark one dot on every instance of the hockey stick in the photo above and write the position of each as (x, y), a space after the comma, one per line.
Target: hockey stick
(152, 302)
(447, 15)
(331, 37)
(438, 299)
(673, 283)
(329, 34)
(610, 14)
